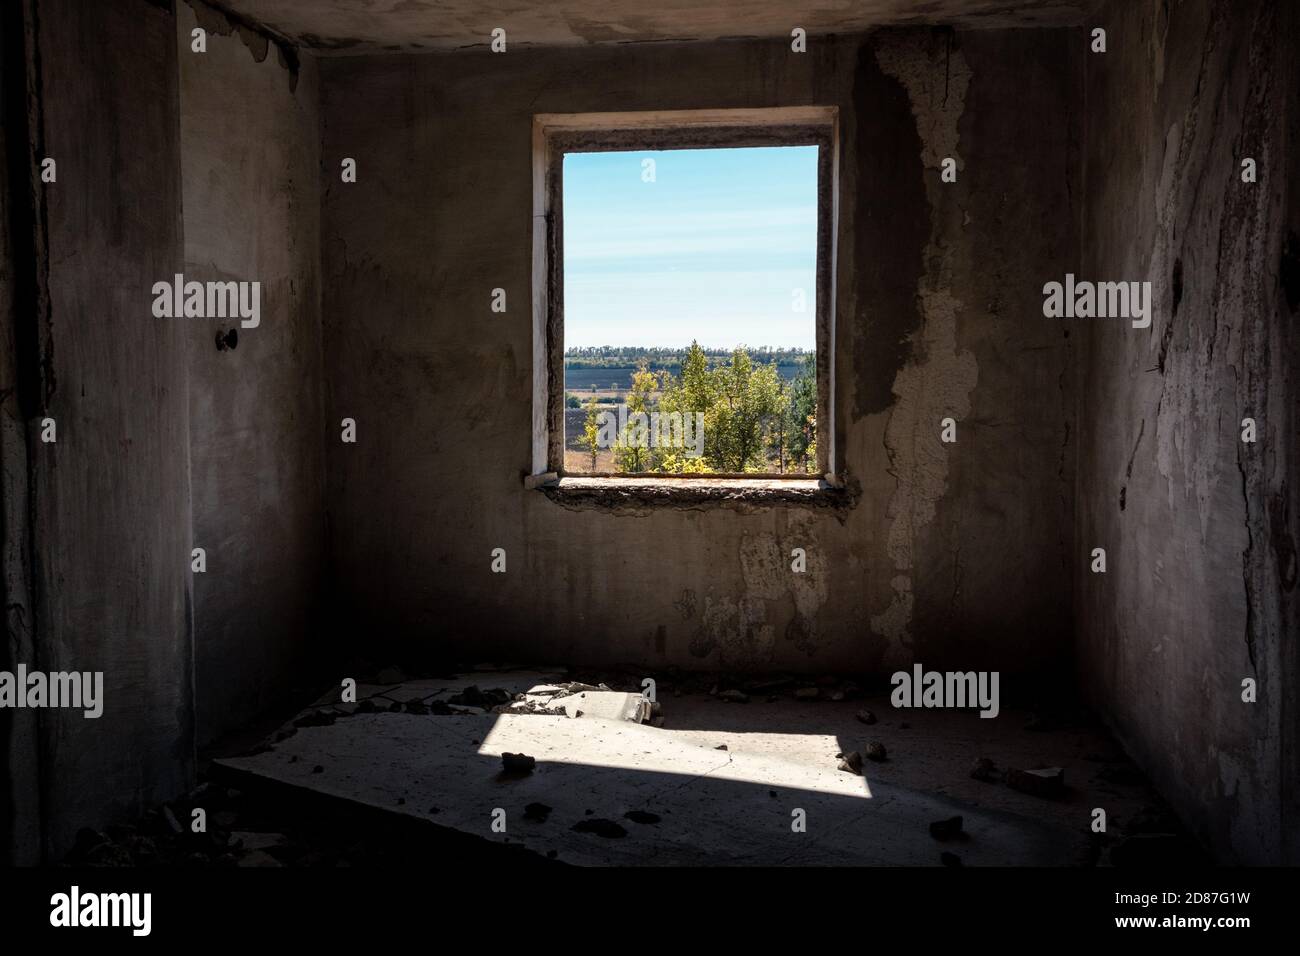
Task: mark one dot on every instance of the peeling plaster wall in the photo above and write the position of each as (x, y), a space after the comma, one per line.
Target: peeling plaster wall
(954, 553)
(250, 160)
(1199, 527)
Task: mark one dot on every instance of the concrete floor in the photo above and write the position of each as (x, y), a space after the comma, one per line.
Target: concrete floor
(667, 795)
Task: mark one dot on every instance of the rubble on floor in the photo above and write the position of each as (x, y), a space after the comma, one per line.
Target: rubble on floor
(412, 748)
(710, 807)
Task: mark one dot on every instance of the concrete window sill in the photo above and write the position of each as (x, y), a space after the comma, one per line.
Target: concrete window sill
(637, 491)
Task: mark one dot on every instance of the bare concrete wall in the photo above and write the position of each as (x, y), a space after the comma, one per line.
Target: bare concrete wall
(953, 554)
(1199, 527)
(109, 500)
(250, 171)
(20, 827)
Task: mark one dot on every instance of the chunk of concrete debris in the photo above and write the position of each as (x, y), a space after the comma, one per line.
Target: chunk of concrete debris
(609, 704)
(767, 686)
(1039, 781)
(865, 717)
(250, 840)
(807, 693)
(259, 858)
(604, 828)
(482, 699)
(851, 762)
(949, 829)
(577, 687)
(517, 764)
(985, 769)
(537, 812)
(876, 751)
(173, 824)
(734, 696)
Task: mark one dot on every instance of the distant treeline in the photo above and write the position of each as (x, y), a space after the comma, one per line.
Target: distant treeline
(668, 359)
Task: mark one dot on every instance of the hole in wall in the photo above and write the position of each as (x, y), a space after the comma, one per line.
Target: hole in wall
(1289, 271)
(1178, 283)
(227, 340)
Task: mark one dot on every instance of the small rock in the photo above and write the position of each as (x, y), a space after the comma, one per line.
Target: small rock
(517, 763)
(1039, 781)
(604, 828)
(865, 717)
(537, 812)
(876, 751)
(259, 858)
(642, 816)
(948, 829)
(985, 769)
(949, 859)
(173, 824)
(734, 696)
(807, 693)
(720, 747)
(837, 695)
(318, 769)
(250, 841)
(852, 762)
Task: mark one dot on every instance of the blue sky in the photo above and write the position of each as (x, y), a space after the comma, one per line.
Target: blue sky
(711, 250)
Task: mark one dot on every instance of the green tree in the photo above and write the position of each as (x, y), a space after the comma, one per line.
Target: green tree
(591, 431)
(632, 451)
(739, 400)
(801, 417)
